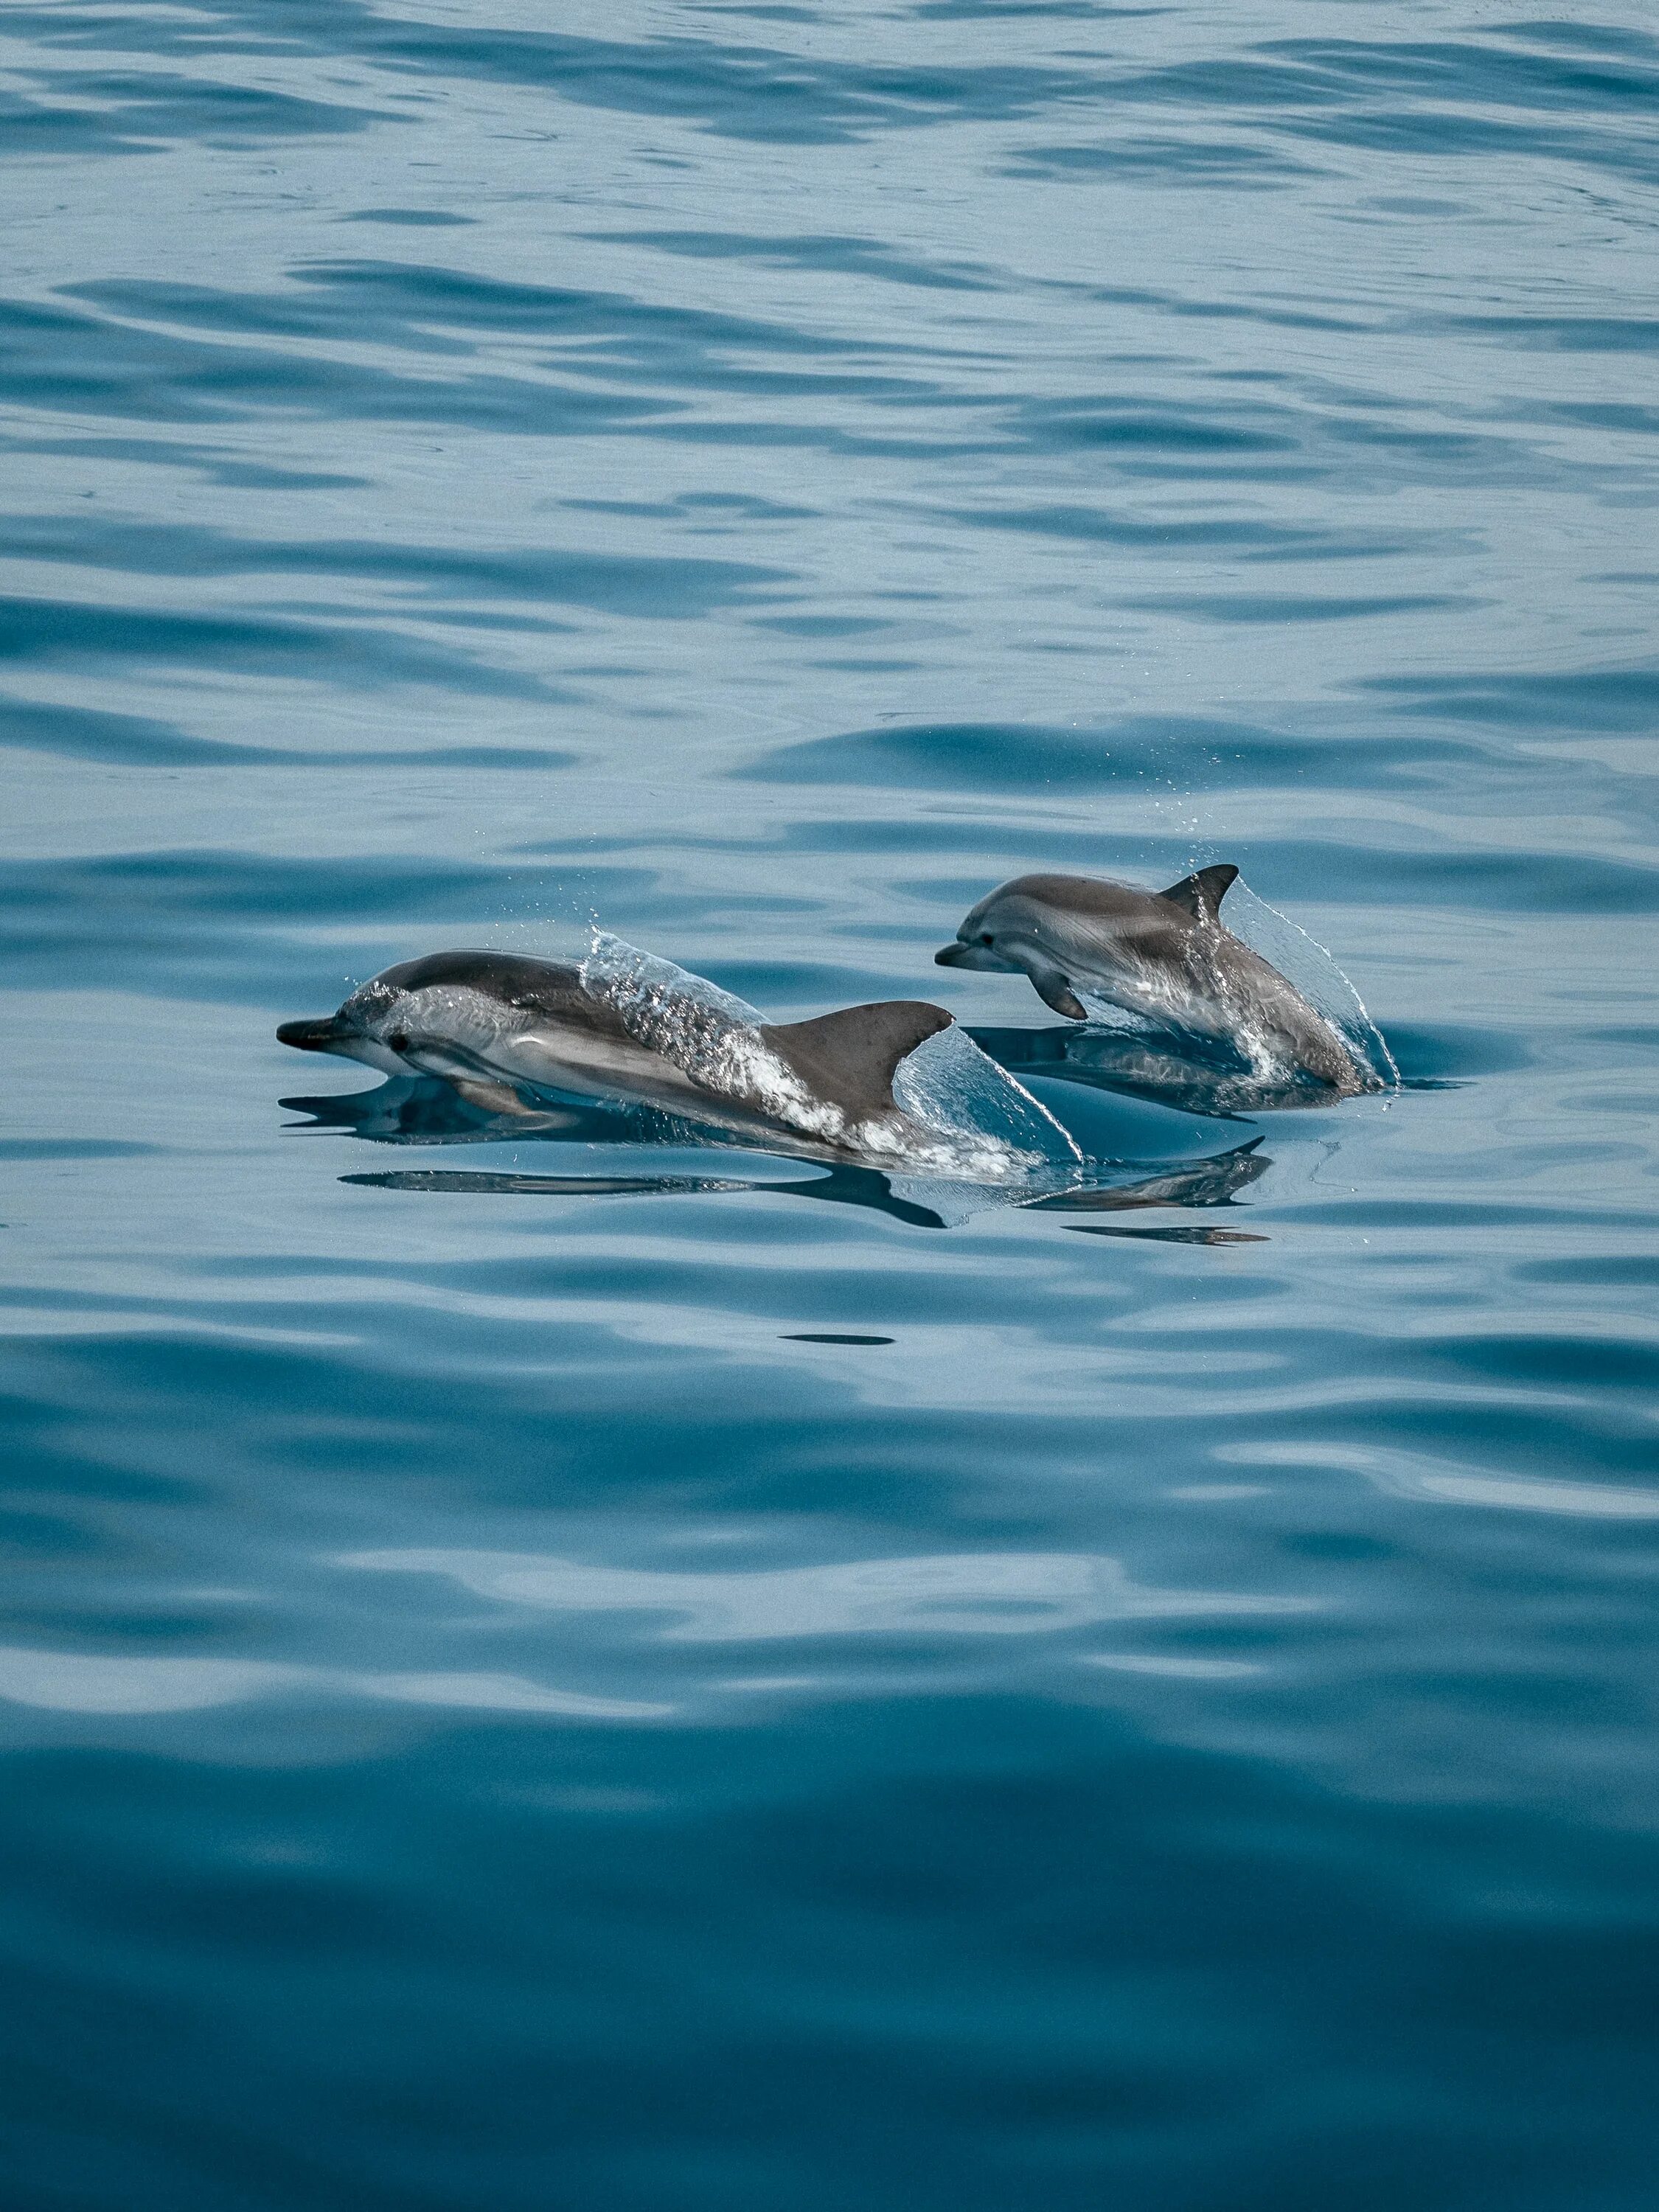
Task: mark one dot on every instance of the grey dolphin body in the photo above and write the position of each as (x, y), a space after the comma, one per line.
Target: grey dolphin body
(1166, 955)
(494, 1022)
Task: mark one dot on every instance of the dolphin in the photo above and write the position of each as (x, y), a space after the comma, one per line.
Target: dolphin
(494, 1023)
(1165, 955)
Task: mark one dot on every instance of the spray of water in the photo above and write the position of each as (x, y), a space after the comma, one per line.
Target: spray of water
(1309, 966)
(961, 1117)
(1165, 1008)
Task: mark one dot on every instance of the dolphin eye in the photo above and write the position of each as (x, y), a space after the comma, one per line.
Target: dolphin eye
(398, 1041)
(986, 938)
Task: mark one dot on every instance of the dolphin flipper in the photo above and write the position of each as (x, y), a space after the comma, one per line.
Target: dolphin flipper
(849, 1057)
(1201, 893)
(1054, 990)
(493, 1097)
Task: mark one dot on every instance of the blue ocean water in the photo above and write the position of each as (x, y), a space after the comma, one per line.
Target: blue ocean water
(561, 1670)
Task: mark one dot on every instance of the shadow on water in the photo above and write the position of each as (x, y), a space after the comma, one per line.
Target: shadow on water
(1216, 1179)
(410, 1111)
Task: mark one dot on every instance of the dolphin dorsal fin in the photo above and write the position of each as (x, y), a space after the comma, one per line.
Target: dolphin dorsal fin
(1201, 893)
(850, 1057)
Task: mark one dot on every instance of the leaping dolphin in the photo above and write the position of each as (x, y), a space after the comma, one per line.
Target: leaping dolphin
(493, 1023)
(1165, 955)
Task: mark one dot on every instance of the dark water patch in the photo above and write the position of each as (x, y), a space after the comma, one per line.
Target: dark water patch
(73, 1148)
(85, 363)
(1633, 1037)
(1621, 1271)
(73, 634)
(122, 915)
(1589, 37)
(852, 257)
(411, 306)
(137, 741)
(1499, 1213)
(737, 91)
(244, 883)
(1493, 72)
(1619, 701)
(99, 734)
(439, 315)
(1084, 425)
(119, 917)
(84, 114)
(673, 587)
(1289, 607)
(994, 755)
(216, 464)
(1278, 312)
(1459, 1049)
(1252, 539)
(1526, 880)
(1204, 164)
(991, 11)
(817, 626)
(758, 10)
(408, 218)
(708, 510)
(1470, 135)
(1231, 440)
(1555, 333)
(748, 91)
(1542, 1361)
(249, 884)
(1605, 414)
(1196, 753)
(1449, 98)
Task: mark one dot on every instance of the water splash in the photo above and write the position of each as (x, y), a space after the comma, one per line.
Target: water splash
(1308, 965)
(996, 1130)
(961, 1117)
(1247, 1066)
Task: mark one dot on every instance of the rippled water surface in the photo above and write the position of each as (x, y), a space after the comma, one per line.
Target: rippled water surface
(571, 1667)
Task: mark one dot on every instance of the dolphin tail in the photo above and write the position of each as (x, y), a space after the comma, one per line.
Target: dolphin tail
(1201, 894)
(850, 1057)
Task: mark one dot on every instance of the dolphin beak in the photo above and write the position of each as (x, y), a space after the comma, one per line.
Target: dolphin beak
(311, 1036)
(984, 959)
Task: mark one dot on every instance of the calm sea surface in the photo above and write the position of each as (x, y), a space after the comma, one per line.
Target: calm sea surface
(521, 1697)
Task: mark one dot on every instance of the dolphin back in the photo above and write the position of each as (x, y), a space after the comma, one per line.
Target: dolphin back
(550, 989)
(850, 1057)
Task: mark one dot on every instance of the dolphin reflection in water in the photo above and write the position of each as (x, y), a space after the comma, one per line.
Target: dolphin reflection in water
(410, 1111)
